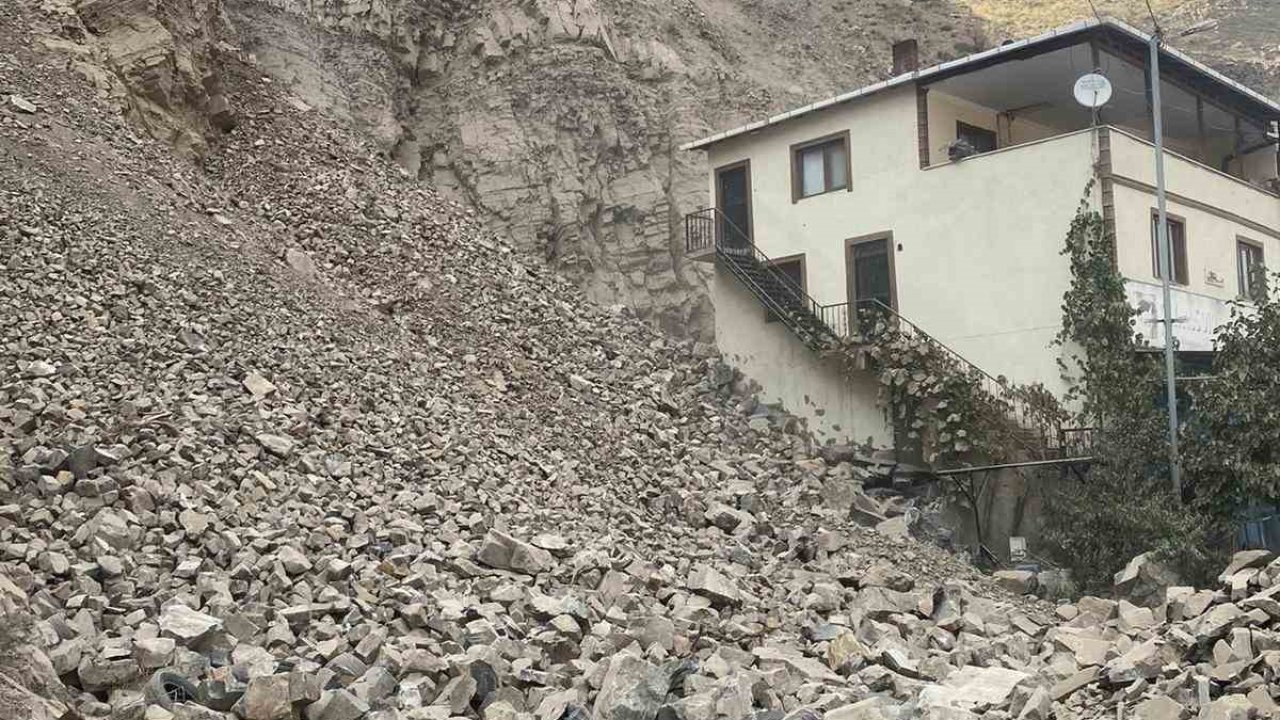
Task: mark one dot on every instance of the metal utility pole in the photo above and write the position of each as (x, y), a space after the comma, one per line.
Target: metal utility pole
(1166, 267)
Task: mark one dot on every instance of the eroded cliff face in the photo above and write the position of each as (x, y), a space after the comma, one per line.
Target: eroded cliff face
(159, 59)
(560, 120)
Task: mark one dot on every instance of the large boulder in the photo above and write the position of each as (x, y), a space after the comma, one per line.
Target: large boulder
(500, 550)
(1144, 581)
(632, 689)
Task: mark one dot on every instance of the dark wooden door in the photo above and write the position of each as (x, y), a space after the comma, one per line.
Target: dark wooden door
(733, 198)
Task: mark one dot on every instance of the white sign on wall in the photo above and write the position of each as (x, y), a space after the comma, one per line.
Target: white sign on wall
(1196, 317)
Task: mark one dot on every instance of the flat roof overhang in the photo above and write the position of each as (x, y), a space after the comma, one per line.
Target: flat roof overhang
(1111, 35)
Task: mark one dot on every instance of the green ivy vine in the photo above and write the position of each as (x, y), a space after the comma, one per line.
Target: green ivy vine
(940, 405)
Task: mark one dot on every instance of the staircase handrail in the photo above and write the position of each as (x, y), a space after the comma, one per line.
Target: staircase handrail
(1023, 415)
(748, 245)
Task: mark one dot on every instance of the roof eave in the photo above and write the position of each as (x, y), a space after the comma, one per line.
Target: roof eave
(973, 62)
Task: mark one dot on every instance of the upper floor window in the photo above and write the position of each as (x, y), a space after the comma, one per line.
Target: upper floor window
(820, 166)
(980, 139)
(1250, 270)
(1178, 242)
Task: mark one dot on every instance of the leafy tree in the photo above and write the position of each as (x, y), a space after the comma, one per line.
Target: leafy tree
(1125, 506)
(1232, 456)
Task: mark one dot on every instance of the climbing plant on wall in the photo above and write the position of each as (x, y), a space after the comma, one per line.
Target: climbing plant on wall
(938, 403)
(1125, 507)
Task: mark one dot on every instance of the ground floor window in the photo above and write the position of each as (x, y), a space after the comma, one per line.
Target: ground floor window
(791, 287)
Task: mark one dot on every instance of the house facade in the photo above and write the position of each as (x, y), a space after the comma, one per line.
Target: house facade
(944, 196)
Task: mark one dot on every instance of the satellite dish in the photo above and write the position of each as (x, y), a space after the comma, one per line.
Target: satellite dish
(1093, 90)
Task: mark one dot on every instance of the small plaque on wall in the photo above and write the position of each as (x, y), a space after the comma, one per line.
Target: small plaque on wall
(1213, 279)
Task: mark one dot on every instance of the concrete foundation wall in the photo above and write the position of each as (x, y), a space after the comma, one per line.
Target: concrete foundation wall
(791, 374)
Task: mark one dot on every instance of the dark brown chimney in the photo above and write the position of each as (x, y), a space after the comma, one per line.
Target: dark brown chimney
(906, 57)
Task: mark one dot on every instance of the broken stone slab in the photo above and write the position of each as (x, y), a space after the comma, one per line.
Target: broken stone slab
(336, 705)
(808, 667)
(1133, 617)
(258, 386)
(293, 560)
(1246, 560)
(1142, 661)
(552, 543)
(708, 582)
(1068, 686)
(972, 686)
(727, 518)
(22, 105)
(97, 674)
(267, 698)
(457, 694)
(1215, 623)
(504, 552)
(152, 653)
(896, 527)
(193, 523)
(1038, 707)
(1159, 708)
(301, 263)
(277, 445)
(185, 625)
(1087, 648)
(845, 650)
(632, 689)
(1022, 582)
(876, 707)
(1144, 580)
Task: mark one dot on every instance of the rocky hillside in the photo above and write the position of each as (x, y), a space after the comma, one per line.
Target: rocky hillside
(558, 120)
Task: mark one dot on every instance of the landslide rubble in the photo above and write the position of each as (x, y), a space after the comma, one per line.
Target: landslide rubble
(286, 434)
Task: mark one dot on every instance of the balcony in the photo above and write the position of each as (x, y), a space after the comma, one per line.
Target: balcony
(1219, 211)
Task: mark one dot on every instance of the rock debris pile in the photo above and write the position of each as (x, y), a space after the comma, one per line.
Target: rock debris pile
(287, 435)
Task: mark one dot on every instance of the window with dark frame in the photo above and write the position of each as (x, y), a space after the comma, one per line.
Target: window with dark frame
(793, 270)
(820, 167)
(980, 139)
(1178, 242)
(1251, 271)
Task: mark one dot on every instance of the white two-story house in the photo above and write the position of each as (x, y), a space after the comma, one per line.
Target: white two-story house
(946, 193)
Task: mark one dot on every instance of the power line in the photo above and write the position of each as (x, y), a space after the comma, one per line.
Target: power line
(1094, 8)
(1151, 11)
